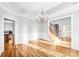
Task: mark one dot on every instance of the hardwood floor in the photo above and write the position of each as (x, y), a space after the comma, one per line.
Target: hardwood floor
(39, 48)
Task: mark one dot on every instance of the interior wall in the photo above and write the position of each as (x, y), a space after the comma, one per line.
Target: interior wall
(29, 29)
(75, 31)
(45, 34)
(1, 34)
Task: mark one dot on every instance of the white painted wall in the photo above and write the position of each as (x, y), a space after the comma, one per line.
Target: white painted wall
(75, 31)
(28, 29)
(1, 34)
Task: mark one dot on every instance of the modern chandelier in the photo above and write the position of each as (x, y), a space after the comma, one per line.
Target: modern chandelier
(42, 18)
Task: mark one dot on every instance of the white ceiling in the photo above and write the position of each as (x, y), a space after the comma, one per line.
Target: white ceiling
(28, 7)
(38, 6)
(33, 9)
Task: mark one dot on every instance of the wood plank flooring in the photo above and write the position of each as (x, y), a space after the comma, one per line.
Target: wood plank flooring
(39, 48)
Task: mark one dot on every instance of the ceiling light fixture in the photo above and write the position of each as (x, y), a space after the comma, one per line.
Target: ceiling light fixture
(42, 18)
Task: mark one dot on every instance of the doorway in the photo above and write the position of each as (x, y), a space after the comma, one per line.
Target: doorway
(60, 31)
(9, 29)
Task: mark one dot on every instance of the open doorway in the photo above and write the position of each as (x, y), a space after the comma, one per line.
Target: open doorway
(60, 31)
(9, 28)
